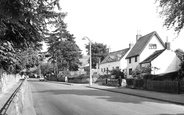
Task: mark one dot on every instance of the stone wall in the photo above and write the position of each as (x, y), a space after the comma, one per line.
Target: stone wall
(22, 103)
(7, 80)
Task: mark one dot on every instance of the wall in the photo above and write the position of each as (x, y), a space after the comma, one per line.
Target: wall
(132, 65)
(7, 80)
(109, 65)
(166, 62)
(147, 52)
(22, 103)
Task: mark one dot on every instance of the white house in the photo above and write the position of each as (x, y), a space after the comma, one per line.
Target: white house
(114, 60)
(144, 46)
(162, 61)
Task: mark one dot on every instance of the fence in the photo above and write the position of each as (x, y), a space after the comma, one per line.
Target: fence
(110, 82)
(160, 86)
(181, 85)
(163, 86)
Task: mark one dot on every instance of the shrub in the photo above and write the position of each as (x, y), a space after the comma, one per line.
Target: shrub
(138, 71)
(117, 73)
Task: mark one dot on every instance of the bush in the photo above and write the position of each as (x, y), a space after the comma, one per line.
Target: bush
(130, 82)
(117, 73)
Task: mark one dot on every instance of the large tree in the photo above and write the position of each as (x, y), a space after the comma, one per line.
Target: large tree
(99, 51)
(23, 24)
(173, 12)
(63, 49)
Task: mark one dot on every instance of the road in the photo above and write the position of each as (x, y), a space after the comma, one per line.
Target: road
(54, 98)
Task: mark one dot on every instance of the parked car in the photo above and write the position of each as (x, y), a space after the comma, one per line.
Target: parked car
(41, 78)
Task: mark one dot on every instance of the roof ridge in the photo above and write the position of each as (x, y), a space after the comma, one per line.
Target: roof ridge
(122, 52)
(142, 42)
(119, 50)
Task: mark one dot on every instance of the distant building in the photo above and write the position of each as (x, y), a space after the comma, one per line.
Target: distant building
(114, 60)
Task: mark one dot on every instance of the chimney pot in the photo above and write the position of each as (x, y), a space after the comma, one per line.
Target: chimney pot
(168, 45)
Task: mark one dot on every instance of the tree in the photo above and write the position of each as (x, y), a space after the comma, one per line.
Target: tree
(24, 24)
(99, 51)
(63, 49)
(180, 54)
(46, 68)
(117, 73)
(172, 11)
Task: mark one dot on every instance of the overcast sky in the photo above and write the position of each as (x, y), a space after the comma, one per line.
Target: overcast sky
(114, 22)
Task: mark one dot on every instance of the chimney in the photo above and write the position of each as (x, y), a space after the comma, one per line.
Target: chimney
(131, 45)
(167, 44)
(138, 35)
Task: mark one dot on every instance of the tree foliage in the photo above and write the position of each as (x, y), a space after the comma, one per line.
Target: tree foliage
(63, 48)
(29, 58)
(172, 11)
(99, 51)
(24, 24)
(117, 73)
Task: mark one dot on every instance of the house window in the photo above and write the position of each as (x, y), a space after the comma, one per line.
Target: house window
(130, 71)
(129, 60)
(107, 70)
(135, 58)
(152, 46)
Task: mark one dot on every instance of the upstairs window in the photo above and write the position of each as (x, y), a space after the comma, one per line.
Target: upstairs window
(135, 58)
(129, 60)
(152, 46)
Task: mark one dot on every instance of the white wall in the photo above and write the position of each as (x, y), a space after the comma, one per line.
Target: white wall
(147, 52)
(132, 65)
(166, 62)
(109, 65)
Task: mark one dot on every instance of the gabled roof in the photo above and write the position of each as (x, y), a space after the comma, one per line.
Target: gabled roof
(115, 56)
(152, 56)
(141, 44)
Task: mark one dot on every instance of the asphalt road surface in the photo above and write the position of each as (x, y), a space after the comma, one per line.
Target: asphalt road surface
(54, 98)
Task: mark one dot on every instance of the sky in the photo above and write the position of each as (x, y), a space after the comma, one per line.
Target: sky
(115, 22)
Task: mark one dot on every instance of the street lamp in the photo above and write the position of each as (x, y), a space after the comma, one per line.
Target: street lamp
(90, 72)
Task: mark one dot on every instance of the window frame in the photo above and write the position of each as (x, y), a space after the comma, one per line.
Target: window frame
(152, 46)
(130, 71)
(136, 58)
(129, 60)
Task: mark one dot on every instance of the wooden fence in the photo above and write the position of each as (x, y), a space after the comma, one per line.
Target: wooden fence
(110, 82)
(181, 85)
(160, 86)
